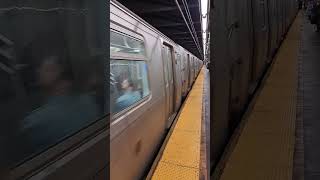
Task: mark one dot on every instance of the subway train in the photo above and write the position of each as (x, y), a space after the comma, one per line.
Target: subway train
(54, 93)
(245, 37)
(150, 76)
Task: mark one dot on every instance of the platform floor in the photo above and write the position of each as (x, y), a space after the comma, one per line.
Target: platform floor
(181, 157)
(265, 148)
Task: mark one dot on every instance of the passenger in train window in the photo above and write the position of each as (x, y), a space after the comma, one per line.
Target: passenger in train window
(129, 96)
(65, 109)
(129, 83)
(53, 77)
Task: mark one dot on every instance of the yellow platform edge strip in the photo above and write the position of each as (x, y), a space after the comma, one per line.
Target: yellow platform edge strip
(181, 156)
(265, 148)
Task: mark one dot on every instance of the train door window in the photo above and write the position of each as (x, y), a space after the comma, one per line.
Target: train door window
(189, 70)
(129, 73)
(169, 73)
(169, 58)
(192, 62)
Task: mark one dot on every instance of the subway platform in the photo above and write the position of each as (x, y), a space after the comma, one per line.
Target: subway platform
(184, 153)
(278, 137)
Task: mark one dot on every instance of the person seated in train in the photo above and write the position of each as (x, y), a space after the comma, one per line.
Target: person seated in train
(129, 96)
(64, 110)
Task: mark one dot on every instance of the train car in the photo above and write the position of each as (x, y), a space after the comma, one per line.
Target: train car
(54, 99)
(53, 91)
(246, 36)
(184, 73)
(151, 75)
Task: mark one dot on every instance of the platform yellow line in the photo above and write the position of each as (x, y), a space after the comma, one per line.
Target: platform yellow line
(181, 156)
(264, 150)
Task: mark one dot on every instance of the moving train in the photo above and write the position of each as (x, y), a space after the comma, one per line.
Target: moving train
(54, 98)
(54, 95)
(245, 37)
(150, 77)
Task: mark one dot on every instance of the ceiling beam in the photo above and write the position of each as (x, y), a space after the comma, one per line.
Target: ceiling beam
(164, 9)
(183, 33)
(173, 24)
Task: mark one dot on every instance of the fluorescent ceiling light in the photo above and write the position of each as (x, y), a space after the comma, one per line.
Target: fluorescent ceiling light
(204, 11)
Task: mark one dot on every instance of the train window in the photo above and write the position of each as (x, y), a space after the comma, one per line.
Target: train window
(125, 44)
(52, 77)
(129, 83)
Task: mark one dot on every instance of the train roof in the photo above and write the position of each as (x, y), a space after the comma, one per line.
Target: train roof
(146, 24)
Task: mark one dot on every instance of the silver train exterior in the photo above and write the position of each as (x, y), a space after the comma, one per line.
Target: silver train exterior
(137, 131)
(246, 35)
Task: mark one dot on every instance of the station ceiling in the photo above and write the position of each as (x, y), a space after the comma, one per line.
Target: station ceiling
(166, 16)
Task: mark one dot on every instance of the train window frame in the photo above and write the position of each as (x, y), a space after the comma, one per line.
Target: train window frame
(55, 152)
(120, 56)
(131, 37)
(35, 163)
(136, 104)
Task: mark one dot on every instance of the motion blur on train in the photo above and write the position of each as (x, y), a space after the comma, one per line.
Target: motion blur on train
(55, 102)
(54, 94)
(150, 77)
(245, 36)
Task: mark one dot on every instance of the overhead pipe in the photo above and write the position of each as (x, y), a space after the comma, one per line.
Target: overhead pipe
(188, 27)
(185, 4)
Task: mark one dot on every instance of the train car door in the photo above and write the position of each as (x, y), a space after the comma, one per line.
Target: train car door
(195, 68)
(186, 73)
(186, 82)
(178, 80)
(167, 57)
(192, 69)
(183, 78)
(189, 70)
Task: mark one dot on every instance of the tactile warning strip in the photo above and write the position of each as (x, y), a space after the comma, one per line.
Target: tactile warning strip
(265, 147)
(181, 156)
